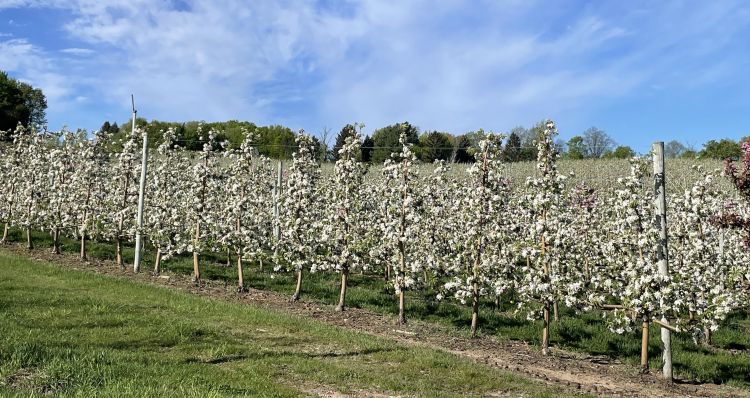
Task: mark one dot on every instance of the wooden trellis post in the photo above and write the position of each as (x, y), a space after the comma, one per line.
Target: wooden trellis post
(660, 219)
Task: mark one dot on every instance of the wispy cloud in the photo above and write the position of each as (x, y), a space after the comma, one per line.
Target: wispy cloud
(35, 67)
(445, 65)
(77, 51)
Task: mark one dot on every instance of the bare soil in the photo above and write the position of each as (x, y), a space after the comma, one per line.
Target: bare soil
(597, 375)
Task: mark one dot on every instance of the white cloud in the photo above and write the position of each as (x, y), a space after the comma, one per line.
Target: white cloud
(77, 51)
(32, 65)
(442, 65)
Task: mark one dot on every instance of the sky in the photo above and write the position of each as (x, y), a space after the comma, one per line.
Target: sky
(640, 71)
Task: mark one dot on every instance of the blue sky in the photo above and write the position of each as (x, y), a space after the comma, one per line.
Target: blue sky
(641, 71)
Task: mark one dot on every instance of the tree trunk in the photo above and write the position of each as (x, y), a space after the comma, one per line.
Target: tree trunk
(10, 216)
(196, 268)
(229, 258)
(240, 274)
(474, 309)
(545, 331)
(555, 312)
(401, 308)
(29, 243)
(84, 257)
(644, 345)
(118, 252)
(157, 262)
(298, 289)
(5, 234)
(342, 295)
(706, 336)
(56, 241)
(401, 276)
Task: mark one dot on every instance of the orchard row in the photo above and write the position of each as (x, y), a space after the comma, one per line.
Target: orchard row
(470, 235)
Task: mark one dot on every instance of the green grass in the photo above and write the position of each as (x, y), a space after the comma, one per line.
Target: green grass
(727, 362)
(74, 334)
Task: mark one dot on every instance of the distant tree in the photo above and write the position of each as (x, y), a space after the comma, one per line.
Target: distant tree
(386, 140)
(597, 142)
(367, 147)
(317, 148)
(689, 154)
(105, 127)
(350, 130)
(461, 150)
(276, 141)
(472, 139)
(435, 146)
(512, 151)
(325, 151)
(36, 103)
(576, 148)
(527, 150)
(621, 152)
(722, 149)
(674, 149)
(13, 106)
(559, 146)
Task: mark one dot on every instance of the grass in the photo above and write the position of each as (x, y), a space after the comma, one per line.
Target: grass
(726, 362)
(74, 334)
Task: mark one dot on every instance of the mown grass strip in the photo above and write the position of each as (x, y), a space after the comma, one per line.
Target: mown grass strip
(72, 334)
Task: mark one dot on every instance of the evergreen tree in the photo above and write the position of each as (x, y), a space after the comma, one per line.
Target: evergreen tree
(367, 148)
(435, 146)
(387, 140)
(350, 130)
(512, 150)
(461, 150)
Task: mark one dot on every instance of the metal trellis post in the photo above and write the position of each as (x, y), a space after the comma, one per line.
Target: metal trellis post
(141, 195)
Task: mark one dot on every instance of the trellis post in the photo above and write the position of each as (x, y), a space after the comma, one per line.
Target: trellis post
(660, 219)
(141, 194)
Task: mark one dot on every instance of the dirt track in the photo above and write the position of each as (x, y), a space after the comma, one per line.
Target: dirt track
(575, 371)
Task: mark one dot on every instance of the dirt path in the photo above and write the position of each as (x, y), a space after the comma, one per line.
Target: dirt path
(598, 375)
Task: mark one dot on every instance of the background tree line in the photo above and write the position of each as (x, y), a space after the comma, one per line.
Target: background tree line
(277, 141)
(20, 103)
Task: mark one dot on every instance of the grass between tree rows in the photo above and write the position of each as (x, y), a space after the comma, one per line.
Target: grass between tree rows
(727, 361)
(74, 334)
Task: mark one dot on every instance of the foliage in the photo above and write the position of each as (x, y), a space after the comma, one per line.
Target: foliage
(435, 146)
(597, 142)
(386, 140)
(621, 152)
(722, 149)
(13, 110)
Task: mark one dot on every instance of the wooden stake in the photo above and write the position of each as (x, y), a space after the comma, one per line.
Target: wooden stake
(644, 344)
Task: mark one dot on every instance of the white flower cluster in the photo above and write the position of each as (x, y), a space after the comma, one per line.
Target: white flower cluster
(462, 235)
